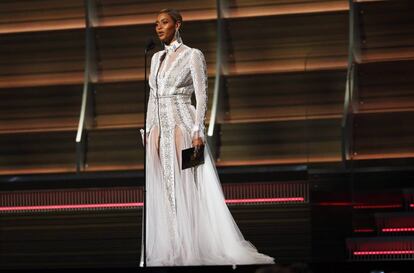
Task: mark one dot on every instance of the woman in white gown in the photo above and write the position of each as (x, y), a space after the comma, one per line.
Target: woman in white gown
(188, 222)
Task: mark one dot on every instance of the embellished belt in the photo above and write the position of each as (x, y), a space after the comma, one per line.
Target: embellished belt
(183, 98)
(175, 96)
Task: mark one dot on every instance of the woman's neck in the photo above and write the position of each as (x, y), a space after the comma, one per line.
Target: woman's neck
(173, 40)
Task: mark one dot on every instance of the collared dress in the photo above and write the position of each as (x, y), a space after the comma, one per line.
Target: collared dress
(188, 221)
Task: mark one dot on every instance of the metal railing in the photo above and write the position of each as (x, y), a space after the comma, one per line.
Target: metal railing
(86, 117)
(351, 88)
(216, 109)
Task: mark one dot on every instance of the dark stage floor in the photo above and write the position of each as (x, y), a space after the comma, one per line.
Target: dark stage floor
(347, 267)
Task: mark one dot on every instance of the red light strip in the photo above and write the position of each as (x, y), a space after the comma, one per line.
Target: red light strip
(411, 205)
(364, 230)
(265, 200)
(140, 204)
(383, 252)
(79, 206)
(362, 206)
(377, 206)
(397, 229)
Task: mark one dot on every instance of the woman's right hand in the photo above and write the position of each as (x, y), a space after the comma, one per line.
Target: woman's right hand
(143, 138)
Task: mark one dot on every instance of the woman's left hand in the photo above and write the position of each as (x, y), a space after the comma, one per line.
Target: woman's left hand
(197, 142)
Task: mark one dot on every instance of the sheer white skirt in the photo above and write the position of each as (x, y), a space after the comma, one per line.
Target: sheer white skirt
(206, 233)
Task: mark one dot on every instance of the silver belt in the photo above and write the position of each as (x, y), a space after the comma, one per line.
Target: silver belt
(174, 96)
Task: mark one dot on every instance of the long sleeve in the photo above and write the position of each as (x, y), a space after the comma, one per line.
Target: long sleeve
(151, 107)
(150, 119)
(199, 75)
(150, 112)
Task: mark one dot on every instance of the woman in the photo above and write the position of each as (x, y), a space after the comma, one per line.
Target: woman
(188, 222)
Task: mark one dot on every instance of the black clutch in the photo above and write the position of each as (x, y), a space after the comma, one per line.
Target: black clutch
(191, 158)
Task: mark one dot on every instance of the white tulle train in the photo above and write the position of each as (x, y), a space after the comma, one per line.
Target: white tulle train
(205, 233)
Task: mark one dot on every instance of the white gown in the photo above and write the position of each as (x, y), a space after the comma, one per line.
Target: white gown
(188, 221)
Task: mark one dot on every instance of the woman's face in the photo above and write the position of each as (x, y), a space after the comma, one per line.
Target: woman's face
(165, 27)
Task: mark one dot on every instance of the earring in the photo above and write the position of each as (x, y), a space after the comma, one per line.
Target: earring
(177, 35)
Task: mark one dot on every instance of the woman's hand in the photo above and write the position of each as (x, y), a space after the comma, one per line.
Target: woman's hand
(197, 142)
(143, 136)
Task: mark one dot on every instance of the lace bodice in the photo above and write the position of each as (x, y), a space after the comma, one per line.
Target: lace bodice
(176, 73)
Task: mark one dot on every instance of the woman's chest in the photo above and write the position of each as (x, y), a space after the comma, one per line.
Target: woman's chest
(171, 70)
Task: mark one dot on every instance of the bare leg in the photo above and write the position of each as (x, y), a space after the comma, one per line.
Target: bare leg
(179, 144)
(155, 137)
